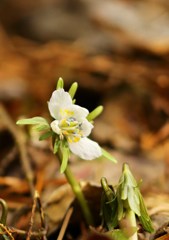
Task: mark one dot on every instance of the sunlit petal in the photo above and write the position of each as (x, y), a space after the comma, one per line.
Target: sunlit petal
(79, 112)
(86, 149)
(59, 100)
(55, 126)
(86, 127)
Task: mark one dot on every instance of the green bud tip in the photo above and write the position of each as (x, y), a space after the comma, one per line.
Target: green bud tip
(73, 89)
(60, 83)
(95, 113)
(104, 182)
(125, 167)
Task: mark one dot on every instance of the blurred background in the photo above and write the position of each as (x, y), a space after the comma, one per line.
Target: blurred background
(118, 52)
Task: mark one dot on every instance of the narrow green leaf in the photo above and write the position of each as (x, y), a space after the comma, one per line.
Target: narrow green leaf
(123, 190)
(109, 212)
(120, 207)
(108, 156)
(144, 218)
(132, 200)
(46, 135)
(31, 121)
(110, 194)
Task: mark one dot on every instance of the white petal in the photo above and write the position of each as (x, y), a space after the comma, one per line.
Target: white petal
(86, 149)
(86, 127)
(55, 126)
(59, 100)
(79, 112)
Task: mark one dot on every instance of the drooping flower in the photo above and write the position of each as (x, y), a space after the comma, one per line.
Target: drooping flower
(72, 125)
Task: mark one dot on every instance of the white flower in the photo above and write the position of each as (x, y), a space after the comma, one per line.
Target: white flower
(71, 123)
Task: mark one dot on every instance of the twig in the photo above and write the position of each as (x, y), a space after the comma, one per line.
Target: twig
(6, 232)
(36, 203)
(20, 232)
(65, 223)
(32, 218)
(41, 213)
(21, 142)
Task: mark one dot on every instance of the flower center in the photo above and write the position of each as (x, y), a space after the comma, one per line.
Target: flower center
(71, 129)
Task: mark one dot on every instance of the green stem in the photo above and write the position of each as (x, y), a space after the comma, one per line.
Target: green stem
(129, 222)
(79, 194)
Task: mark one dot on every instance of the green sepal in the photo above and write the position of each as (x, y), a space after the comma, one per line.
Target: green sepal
(108, 156)
(129, 179)
(133, 201)
(120, 207)
(56, 145)
(45, 135)
(73, 89)
(109, 205)
(144, 218)
(65, 156)
(109, 212)
(40, 122)
(60, 83)
(95, 113)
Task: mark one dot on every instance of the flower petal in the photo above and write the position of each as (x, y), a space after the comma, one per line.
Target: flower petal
(59, 100)
(86, 127)
(55, 126)
(79, 112)
(86, 149)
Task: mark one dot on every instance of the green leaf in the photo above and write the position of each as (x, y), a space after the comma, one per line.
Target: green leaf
(120, 207)
(129, 179)
(123, 190)
(109, 205)
(109, 212)
(133, 201)
(46, 135)
(32, 121)
(65, 156)
(144, 218)
(108, 156)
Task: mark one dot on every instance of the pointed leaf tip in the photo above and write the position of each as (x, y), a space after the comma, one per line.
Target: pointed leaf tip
(108, 156)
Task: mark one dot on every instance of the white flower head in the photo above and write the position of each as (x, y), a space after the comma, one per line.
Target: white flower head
(71, 124)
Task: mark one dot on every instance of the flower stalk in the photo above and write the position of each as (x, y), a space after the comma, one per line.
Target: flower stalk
(77, 190)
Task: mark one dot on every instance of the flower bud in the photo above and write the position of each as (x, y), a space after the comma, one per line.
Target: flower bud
(95, 113)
